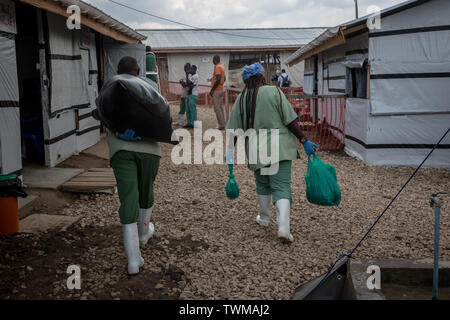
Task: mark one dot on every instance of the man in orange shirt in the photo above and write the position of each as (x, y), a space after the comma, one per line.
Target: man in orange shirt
(217, 91)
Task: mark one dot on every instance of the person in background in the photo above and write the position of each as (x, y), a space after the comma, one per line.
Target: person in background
(191, 112)
(275, 77)
(284, 80)
(184, 93)
(217, 91)
(150, 62)
(135, 164)
(262, 106)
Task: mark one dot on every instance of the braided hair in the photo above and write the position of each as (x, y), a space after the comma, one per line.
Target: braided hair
(250, 92)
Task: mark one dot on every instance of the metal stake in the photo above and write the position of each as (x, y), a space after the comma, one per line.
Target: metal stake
(436, 202)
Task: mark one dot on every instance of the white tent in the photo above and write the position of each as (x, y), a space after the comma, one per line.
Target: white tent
(406, 108)
(67, 70)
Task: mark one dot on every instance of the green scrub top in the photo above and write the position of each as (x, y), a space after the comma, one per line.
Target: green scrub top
(268, 116)
(150, 62)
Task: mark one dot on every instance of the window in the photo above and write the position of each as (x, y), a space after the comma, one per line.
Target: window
(356, 82)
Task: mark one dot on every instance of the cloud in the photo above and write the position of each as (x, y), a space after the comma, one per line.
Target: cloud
(239, 13)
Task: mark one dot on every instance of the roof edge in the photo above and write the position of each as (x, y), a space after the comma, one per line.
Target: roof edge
(355, 24)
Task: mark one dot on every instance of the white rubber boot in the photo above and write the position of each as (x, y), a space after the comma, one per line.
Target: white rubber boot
(131, 244)
(263, 218)
(283, 207)
(180, 119)
(145, 227)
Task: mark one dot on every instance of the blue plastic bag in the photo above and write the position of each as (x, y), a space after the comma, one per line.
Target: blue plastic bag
(321, 183)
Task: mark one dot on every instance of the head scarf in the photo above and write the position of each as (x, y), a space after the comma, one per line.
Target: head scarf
(252, 70)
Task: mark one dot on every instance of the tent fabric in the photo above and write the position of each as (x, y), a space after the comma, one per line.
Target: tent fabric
(88, 132)
(405, 140)
(308, 76)
(394, 140)
(295, 72)
(68, 86)
(10, 146)
(70, 128)
(356, 118)
(410, 61)
(114, 51)
(203, 61)
(322, 38)
(414, 82)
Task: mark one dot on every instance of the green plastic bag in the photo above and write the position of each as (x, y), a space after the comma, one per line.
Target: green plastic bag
(231, 189)
(321, 183)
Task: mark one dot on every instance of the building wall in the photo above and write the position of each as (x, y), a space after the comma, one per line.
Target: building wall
(408, 109)
(409, 97)
(10, 146)
(205, 66)
(203, 61)
(68, 125)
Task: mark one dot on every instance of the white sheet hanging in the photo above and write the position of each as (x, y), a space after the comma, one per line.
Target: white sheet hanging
(10, 147)
(68, 86)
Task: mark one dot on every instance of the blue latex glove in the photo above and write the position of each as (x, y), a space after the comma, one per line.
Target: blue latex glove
(129, 135)
(309, 147)
(229, 156)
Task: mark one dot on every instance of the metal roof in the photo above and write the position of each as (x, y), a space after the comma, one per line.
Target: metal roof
(195, 39)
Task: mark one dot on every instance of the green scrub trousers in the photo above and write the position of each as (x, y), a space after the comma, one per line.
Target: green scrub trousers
(191, 110)
(277, 185)
(182, 106)
(135, 174)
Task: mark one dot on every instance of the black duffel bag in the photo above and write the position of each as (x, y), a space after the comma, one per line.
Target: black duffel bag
(128, 102)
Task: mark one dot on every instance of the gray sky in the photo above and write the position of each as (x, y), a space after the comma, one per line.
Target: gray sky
(239, 13)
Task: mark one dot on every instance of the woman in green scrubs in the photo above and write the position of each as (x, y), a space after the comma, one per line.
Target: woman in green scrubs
(259, 107)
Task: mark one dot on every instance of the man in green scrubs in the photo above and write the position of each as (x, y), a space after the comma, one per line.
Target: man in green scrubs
(265, 107)
(150, 61)
(185, 88)
(135, 164)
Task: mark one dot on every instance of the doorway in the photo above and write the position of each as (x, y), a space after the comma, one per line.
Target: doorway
(27, 53)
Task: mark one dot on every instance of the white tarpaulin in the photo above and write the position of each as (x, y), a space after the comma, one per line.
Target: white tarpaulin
(114, 51)
(68, 86)
(203, 61)
(406, 140)
(410, 61)
(308, 76)
(394, 140)
(356, 117)
(88, 131)
(10, 147)
(295, 72)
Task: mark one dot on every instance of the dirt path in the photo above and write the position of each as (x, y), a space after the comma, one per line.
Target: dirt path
(209, 247)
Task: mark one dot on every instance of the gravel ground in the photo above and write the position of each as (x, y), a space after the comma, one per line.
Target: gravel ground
(209, 247)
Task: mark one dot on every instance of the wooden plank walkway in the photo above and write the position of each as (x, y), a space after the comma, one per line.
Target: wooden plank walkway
(95, 180)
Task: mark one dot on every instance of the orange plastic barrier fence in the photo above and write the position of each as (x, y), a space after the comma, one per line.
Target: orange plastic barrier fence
(322, 119)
